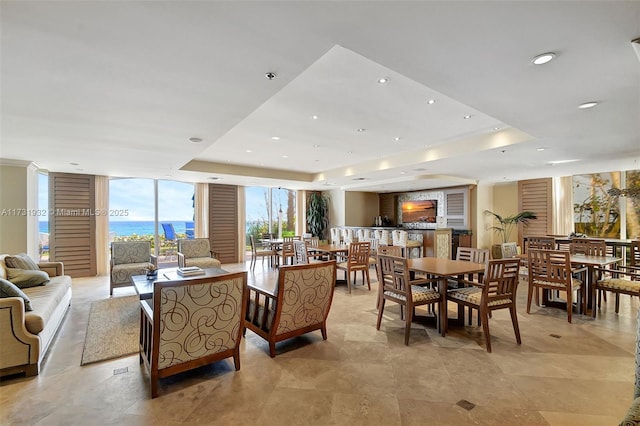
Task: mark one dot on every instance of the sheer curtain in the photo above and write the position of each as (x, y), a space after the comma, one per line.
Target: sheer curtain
(102, 225)
(201, 210)
(562, 205)
(242, 228)
(301, 212)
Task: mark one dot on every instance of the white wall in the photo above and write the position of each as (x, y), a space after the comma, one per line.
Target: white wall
(18, 199)
(336, 207)
(361, 208)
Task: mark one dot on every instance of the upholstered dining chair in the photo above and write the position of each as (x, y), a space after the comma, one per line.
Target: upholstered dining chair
(625, 279)
(262, 252)
(129, 258)
(300, 249)
(396, 286)
(551, 270)
(496, 291)
(357, 260)
(196, 252)
(443, 243)
(191, 323)
(299, 304)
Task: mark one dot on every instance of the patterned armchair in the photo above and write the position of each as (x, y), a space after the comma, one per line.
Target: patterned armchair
(192, 323)
(299, 304)
(129, 258)
(196, 252)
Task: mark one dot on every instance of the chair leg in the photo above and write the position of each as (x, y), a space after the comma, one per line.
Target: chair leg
(366, 271)
(514, 321)
(569, 303)
(529, 295)
(617, 302)
(154, 384)
(380, 311)
(236, 359)
(348, 277)
(272, 349)
(407, 327)
(484, 316)
(323, 330)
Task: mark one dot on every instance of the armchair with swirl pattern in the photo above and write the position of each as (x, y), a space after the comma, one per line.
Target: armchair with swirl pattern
(129, 258)
(196, 252)
(299, 304)
(192, 323)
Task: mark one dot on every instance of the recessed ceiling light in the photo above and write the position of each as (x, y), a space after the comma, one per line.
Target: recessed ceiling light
(496, 128)
(214, 178)
(361, 129)
(383, 80)
(316, 146)
(587, 105)
(314, 117)
(275, 138)
(543, 58)
(466, 117)
(403, 173)
(359, 178)
(562, 161)
(431, 101)
(316, 161)
(540, 149)
(285, 156)
(247, 150)
(270, 76)
(74, 164)
(396, 139)
(349, 152)
(195, 140)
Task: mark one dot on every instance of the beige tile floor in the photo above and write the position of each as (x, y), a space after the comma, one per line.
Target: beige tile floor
(359, 376)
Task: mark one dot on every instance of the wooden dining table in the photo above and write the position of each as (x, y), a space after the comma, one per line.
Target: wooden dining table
(443, 269)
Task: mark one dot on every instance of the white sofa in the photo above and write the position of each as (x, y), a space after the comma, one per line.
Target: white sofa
(26, 336)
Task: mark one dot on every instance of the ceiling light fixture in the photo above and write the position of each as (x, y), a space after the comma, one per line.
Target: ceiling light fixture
(540, 149)
(74, 164)
(466, 117)
(285, 156)
(271, 75)
(543, 58)
(275, 138)
(316, 146)
(496, 128)
(359, 178)
(431, 101)
(214, 178)
(362, 129)
(195, 140)
(349, 152)
(314, 117)
(587, 105)
(383, 80)
(247, 150)
(396, 139)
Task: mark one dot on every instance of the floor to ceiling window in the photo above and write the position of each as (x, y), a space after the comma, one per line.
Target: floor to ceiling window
(141, 215)
(270, 210)
(43, 216)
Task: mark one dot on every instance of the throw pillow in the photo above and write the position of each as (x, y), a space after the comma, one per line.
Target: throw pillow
(21, 261)
(8, 289)
(24, 278)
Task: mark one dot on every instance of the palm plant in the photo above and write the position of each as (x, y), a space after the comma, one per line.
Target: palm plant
(317, 214)
(506, 224)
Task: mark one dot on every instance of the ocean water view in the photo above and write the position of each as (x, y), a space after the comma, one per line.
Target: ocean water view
(122, 228)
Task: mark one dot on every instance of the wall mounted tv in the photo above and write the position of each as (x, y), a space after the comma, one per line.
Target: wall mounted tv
(419, 211)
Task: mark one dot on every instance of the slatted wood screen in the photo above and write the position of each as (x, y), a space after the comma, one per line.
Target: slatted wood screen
(72, 223)
(536, 196)
(223, 222)
(455, 210)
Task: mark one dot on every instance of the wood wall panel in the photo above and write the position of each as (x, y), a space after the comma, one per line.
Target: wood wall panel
(223, 222)
(388, 206)
(536, 196)
(72, 223)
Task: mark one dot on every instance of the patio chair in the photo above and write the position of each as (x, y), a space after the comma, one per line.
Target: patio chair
(190, 230)
(170, 239)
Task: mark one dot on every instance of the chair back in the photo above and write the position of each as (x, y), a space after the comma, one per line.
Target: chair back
(373, 245)
(399, 238)
(481, 255)
(312, 241)
(288, 249)
(336, 236)
(304, 296)
(394, 275)
(301, 255)
(194, 248)
(123, 252)
(358, 254)
(254, 248)
(385, 238)
(552, 266)
(390, 250)
(634, 255)
(588, 246)
(443, 243)
(348, 236)
(465, 253)
(543, 243)
(509, 250)
(500, 281)
(169, 232)
(190, 229)
(363, 234)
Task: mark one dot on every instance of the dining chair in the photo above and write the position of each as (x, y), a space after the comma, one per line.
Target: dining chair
(336, 236)
(301, 255)
(396, 286)
(260, 252)
(348, 236)
(287, 252)
(312, 245)
(357, 260)
(589, 247)
(509, 250)
(624, 279)
(496, 291)
(551, 270)
(385, 238)
(442, 243)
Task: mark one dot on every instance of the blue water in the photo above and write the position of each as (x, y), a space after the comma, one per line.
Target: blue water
(133, 227)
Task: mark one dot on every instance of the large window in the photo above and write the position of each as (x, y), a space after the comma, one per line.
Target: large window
(43, 217)
(270, 210)
(136, 200)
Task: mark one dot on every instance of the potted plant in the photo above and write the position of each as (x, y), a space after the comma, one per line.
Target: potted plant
(317, 214)
(505, 226)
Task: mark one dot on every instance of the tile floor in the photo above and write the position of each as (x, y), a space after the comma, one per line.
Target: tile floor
(359, 376)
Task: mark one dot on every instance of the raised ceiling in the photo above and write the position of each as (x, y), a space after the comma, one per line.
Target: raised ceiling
(118, 88)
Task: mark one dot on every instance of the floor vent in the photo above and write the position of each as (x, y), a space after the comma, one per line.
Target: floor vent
(466, 404)
(120, 371)
(557, 336)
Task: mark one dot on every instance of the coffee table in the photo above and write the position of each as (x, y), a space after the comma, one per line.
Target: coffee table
(144, 286)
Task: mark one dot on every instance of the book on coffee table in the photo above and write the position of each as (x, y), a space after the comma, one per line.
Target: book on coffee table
(189, 271)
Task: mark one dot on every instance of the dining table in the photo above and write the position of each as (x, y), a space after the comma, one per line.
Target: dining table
(443, 269)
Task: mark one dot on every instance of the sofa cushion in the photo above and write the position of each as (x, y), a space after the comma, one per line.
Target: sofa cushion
(21, 261)
(45, 300)
(25, 278)
(9, 289)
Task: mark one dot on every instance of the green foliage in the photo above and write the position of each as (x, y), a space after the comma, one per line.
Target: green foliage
(317, 214)
(508, 223)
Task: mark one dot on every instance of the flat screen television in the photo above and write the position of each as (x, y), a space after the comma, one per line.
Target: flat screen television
(419, 211)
